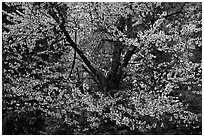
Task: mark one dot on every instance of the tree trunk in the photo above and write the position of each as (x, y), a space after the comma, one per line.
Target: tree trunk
(113, 79)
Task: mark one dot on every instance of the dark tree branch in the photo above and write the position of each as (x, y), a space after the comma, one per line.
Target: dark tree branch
(100, 76)
(109, 40)
(81, 54)
(94, 78)
(74, 60)
(169, 15)
(128, 56)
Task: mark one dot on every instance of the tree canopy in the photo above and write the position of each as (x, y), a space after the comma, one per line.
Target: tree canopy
(102, 68)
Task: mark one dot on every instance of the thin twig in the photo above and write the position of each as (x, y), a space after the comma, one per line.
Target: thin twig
(74, 60)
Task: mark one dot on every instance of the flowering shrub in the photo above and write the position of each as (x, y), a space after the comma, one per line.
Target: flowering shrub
(139, 111)
(132, 68)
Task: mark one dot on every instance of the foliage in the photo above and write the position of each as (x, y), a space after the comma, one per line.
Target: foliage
(137, 69)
